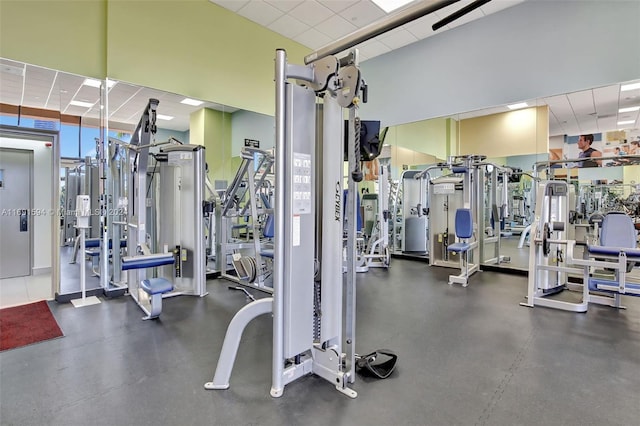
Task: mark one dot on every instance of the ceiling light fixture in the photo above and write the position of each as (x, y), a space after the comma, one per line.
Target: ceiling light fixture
(193, 102)
(164, 117)
(81, 104)
(391, 5)
(92, 82)
(629, 109)
(518, 105)
(622, 123)
(627, 87)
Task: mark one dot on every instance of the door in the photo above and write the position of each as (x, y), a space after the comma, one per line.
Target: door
(15, 208)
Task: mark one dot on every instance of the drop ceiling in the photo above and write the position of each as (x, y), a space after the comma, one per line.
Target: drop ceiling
(312, 23)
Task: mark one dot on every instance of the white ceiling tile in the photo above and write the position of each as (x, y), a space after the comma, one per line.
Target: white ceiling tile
(260, 12)
(471, 16)
(606, 100)
(582, 103)
(362, 13)
(337, 5)
(288, 26)
(313, 38)
(311, 12)
(285, 5)
(336, 27)
(233, 5)
(446, 11)
(421, 28)
(497, 5)
(397, 38)
(373, 48)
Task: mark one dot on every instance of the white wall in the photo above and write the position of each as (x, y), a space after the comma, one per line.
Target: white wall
(537, 48)
(42, 198)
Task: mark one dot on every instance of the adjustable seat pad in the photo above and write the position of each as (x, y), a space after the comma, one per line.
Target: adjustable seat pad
(156, 285)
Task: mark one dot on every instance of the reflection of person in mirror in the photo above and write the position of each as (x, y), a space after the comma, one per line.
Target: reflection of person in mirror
(584, 145)
(619, 151)
(634, 148)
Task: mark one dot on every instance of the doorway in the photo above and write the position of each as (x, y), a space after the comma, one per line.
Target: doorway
(29, 215)
(16, 177)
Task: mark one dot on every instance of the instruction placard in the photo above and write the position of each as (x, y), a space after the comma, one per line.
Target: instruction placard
(301, 183)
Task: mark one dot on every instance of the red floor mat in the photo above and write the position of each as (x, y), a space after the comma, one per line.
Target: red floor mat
(27, 324)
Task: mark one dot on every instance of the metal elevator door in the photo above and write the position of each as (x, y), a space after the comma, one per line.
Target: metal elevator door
(15, 209)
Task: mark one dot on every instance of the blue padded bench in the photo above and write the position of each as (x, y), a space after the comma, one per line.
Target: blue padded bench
(595, 284)
(147, 261)
(156, 287)
(95, 242)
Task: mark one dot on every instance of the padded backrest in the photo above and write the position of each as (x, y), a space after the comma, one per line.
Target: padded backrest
(464, 223)
(618, 231)
(269, 229)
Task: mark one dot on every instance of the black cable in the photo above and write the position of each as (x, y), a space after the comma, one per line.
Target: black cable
(153, 174)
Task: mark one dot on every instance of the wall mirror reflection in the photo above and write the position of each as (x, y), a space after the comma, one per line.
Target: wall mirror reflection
(59, 119)
(538, 138)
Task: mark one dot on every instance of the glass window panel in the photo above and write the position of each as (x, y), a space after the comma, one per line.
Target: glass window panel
(69, 141)
(88, 136)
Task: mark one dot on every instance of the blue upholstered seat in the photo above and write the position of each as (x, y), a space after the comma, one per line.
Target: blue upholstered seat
(617, 234)
(156, 285)
(464, 230)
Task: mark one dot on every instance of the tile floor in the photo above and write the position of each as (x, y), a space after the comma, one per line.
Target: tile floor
(22, 290)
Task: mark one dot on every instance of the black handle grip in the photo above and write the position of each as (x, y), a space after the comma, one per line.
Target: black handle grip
(24, 221)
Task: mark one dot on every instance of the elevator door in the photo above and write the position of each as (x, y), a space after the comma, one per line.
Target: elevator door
(15, 209)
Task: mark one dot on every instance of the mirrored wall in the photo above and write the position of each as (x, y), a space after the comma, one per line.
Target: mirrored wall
(80, 109)
(538, 138)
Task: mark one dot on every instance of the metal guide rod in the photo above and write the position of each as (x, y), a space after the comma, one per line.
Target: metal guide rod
(278, 255)
(376, 28)
(352, 223)
(624, 158)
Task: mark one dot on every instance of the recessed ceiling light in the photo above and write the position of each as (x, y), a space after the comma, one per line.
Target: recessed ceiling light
(193, 102)
(621, 123)
(518, 105)
(391, 5)
(164, 117)
(629, 109)
(81, 104)
(632, 86)
(92, 82)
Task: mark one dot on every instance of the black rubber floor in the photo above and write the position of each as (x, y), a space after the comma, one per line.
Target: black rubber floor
(468, 356)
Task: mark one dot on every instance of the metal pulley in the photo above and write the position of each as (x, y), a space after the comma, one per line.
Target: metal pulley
(349, 78)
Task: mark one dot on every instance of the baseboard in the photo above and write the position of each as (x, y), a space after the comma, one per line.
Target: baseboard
(41, 271)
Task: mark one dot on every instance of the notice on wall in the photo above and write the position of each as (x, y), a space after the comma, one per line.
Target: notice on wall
(301, 183)
(295, 231)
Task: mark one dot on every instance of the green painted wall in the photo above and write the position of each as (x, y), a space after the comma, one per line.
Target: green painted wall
(198, 49)
(62, 35)
(194, 48)
(427, 136)
(212, 129)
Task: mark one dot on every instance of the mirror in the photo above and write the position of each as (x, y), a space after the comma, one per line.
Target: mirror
(546, 130)
(76, 108)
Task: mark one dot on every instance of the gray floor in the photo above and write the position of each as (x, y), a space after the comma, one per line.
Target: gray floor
(468, 356)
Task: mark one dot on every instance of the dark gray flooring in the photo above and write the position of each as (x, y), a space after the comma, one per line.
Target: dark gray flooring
(468, 356)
